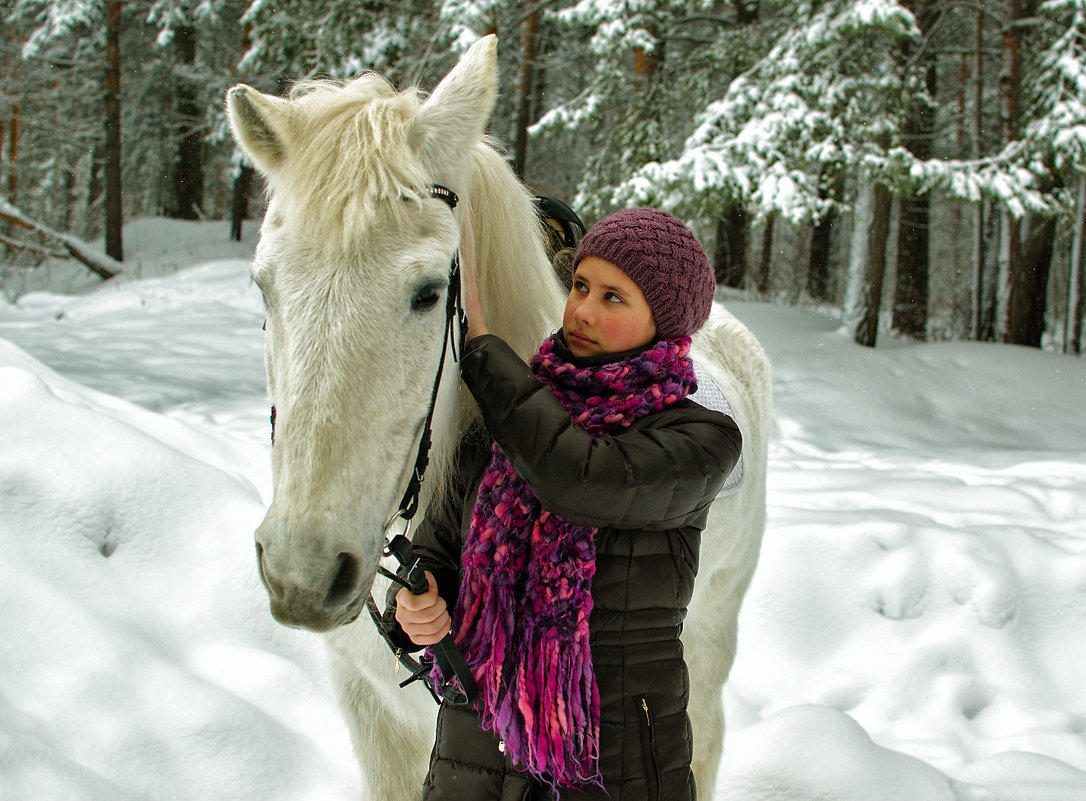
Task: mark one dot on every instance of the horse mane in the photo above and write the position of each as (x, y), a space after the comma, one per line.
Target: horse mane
(522, 295)
(520, 292)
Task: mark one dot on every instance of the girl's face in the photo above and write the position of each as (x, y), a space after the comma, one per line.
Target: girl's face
(606, 312)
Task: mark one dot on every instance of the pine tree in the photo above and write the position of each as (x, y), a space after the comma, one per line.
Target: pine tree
(338, 38)
(824, 103)
(653, 64)
(1056, 136)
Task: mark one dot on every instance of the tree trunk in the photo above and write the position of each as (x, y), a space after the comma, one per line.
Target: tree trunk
(187, 174)
(989, 252)
(976, 121)
(12, 154)
(867, 261)
(646, 64)
(818, 261)
(746, 12)
(761, 277)
(1072, 324)
(976, 295)
(239, 211)
(910, 313)
(529, 45)
(1035, 267)
(910, 309)
(70, 180)
(114, 206)
(95, 186)
(1013, 280)
(730, 255)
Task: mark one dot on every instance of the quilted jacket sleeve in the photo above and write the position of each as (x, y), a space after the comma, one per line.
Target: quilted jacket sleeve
(660, 473)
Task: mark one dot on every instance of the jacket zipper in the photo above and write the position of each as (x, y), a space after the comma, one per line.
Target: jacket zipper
(652, 760)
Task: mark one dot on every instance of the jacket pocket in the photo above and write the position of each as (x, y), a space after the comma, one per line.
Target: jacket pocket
(649, 755)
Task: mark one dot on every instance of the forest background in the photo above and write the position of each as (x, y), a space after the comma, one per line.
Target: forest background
(920, 164)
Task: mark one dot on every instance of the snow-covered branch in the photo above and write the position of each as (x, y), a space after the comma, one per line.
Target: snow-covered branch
(98, 263)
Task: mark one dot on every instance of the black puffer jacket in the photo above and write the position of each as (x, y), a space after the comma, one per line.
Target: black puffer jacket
(648, 490)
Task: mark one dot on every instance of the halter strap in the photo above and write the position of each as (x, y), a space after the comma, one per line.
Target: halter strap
(455, 330)
(447, 655)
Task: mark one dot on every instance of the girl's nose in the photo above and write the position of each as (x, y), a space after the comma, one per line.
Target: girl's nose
(582, 312)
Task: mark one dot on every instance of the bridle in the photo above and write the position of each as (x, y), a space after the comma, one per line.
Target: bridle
(411, 574)
(455, 331)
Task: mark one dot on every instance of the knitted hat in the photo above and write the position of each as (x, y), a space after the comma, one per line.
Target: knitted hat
(666, 261)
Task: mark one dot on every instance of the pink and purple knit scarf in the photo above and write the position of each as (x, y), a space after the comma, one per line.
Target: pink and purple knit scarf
(522, 617)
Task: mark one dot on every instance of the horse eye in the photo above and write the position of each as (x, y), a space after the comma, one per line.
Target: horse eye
(426, 298)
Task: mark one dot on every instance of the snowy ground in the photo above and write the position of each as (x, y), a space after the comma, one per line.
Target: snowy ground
(916, 630)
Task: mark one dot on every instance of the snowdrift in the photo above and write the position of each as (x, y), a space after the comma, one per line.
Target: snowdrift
(916, 629)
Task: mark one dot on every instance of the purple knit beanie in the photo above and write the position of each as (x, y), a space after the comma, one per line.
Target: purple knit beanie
(666, 261)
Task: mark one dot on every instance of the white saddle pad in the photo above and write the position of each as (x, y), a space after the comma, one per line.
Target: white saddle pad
(710, 396)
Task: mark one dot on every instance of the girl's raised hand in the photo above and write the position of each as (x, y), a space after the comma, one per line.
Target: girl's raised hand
(473, 308)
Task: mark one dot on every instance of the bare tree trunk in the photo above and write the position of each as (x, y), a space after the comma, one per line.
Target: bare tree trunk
(1072, 324)
(910, 308)
(95, 186)
(761, 277)
(114, 206)
(818, 261)
(243, 182)
(187, 174)
(867, 261)
(69, 198)
(990, 252)
(12, 155)
(529, 46)
(1012, 280)
(1035, 268)
(730, 255)
(977, 256)
(910, 311)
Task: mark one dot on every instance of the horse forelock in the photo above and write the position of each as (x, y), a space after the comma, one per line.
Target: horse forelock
(352, 154)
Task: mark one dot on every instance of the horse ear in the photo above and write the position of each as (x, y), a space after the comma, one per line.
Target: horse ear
(455, 115)
(261, 125)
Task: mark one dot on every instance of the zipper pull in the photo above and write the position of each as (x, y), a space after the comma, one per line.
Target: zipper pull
(645, 707)
(396, 670)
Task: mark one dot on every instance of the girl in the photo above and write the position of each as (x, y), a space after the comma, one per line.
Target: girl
(568, 547)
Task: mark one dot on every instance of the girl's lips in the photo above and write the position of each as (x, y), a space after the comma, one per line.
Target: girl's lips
(578, 337)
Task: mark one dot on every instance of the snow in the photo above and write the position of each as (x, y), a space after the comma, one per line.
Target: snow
(916, 628)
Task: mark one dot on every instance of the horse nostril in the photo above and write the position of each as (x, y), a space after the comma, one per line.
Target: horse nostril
(260, 565)
(343, 585)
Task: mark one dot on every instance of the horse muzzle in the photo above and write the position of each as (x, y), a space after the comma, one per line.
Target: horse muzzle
(315, 592)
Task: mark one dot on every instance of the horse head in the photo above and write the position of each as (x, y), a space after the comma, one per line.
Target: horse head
(354, 264)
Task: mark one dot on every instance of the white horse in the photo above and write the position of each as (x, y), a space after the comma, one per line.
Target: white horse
(353, 261)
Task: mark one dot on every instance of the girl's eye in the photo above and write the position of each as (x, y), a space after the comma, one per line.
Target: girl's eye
(613, 298)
